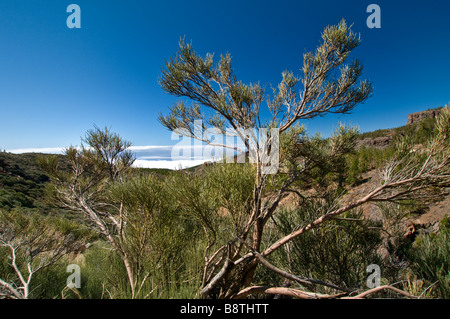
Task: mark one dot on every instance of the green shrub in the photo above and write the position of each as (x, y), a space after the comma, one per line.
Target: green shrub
(430, 259)
(337, 252)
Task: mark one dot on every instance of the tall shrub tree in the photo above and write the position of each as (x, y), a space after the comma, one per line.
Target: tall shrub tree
(329, 83)
(97, 186)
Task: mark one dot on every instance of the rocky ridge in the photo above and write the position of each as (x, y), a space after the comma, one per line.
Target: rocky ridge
(418, 116)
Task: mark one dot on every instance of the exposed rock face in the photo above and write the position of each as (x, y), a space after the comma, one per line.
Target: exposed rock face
(416, 117)
(377, 142)
(383, 141)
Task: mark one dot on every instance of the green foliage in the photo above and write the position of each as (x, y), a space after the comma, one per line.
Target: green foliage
(355, 169)
(419, 132)
(337, 252)
(231, 187)
(316, 162)
(175, 219)
(150, 218)
(22, 182)
(290, 150)
(34, 244)
(403, 139)
(109, 150)
(162, 234)
(218, 198)
(430, 259)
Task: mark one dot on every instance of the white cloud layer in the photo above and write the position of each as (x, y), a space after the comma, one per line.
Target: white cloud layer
(45, 150)
(180, 164)
(150, 156)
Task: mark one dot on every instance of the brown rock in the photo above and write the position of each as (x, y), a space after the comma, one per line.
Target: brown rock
(377, 142)
(418, 116)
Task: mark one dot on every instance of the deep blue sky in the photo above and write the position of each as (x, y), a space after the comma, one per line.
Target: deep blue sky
(56, 82)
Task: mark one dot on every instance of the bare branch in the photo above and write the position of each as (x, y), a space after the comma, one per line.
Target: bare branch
(295, 293)
(301, 280)
(378, 289)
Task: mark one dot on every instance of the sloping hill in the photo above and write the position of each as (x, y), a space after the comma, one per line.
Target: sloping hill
(420, 128)
(21, 181)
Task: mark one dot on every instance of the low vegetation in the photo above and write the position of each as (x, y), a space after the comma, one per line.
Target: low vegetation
(204, 206)
(234, 230)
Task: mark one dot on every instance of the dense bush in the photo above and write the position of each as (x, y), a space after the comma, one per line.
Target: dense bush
(338, 252)
(430, 259)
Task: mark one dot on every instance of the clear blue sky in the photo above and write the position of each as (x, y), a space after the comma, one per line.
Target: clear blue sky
(56, 82)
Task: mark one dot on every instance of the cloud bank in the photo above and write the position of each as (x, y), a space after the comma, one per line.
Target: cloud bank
(150, 156)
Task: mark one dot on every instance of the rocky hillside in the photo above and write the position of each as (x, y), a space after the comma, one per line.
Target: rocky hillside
(416, 123)
(418, 116)
(376, 142)
(425, 219)
(419, 127)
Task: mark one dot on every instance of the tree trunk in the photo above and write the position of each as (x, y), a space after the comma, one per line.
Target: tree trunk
(130, 274)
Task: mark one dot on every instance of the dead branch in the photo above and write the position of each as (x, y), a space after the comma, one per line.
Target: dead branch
(217, 278)
(378, 289)
(300, 294)
(295, 293)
